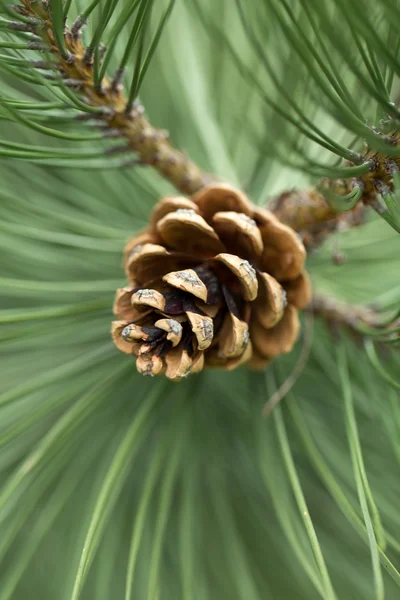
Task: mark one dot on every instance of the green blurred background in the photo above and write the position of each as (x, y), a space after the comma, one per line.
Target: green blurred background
(116, 486)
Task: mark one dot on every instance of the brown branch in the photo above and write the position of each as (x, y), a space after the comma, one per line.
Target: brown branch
(150, 144)
(302, 209)
(338, 314)
(308, 213)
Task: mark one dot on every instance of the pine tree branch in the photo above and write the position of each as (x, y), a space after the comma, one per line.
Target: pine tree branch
(76, 66)
(334, 205)
(308, 213)
(359, 320)
(339, 313)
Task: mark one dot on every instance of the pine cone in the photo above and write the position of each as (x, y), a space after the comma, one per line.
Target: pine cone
(214, 281)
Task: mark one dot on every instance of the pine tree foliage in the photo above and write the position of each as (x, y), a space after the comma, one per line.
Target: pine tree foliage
(118, 486)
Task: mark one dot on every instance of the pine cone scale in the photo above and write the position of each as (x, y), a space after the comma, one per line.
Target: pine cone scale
(239, 233)
(269, 343)
(270, 303)
(244, 272)
(148, 262)
(188, 232)
(169, 205)
(187, 281)
(217, 198)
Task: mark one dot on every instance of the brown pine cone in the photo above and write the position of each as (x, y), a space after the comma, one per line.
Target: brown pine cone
(214, 281)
